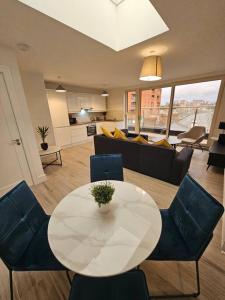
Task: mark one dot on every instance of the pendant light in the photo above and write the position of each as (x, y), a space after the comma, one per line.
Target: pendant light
(151, 69)
(104, 94)
(60, 88)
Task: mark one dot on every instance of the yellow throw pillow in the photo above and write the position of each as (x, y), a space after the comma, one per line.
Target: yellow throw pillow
(118, 134)
(140, 139)
(106, 132)
(163, 143)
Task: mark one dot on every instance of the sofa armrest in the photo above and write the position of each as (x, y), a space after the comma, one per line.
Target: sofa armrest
(181, 165)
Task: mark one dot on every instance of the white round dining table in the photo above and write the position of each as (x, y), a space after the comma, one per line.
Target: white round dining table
(98, 244)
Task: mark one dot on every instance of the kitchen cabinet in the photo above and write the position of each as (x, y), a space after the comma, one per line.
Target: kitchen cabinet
(98, 103)
(77, 101)
(78, 134)
(58, 108)
(63, 136)
(74, 102)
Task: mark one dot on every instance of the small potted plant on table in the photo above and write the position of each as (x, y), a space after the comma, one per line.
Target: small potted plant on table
(43, 132)
(102, 194)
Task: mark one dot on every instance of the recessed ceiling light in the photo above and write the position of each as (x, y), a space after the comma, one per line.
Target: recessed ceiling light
(23, 47)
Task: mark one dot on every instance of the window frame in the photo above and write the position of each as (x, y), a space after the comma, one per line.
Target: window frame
(173, 85)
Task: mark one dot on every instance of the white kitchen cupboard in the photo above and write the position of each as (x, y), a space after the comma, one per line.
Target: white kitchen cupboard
(74, 103)
(63, 136)
(58, 108)
(98, 103)
(78, 134)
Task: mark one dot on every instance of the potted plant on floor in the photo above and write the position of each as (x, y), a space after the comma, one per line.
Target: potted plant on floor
(102, 194)
(43, 132)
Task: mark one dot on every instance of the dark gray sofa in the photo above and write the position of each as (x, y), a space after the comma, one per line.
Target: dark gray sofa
(155, 161)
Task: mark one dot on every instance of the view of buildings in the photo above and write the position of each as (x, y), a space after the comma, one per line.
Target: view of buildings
(192, 105)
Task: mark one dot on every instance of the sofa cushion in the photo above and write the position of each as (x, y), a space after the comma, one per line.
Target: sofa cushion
(140, 139)
(106, 132)
(163, 143)
(118, 134)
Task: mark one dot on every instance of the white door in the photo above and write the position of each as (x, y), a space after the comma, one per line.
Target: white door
(13, 164)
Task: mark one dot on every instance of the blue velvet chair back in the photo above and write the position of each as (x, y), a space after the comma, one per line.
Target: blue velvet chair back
(195, 213)
(106, 167)
(20, 218)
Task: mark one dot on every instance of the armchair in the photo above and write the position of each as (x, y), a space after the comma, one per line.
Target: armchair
(193, 137)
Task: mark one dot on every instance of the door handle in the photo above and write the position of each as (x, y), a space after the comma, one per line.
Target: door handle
(17, 141)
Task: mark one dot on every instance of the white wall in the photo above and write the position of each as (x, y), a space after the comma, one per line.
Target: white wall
(20, 108)
(35, 92)
(116, 104)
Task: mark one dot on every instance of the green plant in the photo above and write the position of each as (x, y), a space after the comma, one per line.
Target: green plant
(43, 132)
(102, 192)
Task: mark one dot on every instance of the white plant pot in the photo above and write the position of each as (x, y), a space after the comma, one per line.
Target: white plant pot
(104, 208)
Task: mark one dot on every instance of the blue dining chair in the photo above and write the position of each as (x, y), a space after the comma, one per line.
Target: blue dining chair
(23, 234)
(128, 286)
(106, 167)
(187, 227)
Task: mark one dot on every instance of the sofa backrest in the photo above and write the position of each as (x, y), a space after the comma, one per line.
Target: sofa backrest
(156, 161)
(130, 150)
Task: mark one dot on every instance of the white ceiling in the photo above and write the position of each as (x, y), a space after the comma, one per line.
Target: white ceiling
(194, 45)
(118, 25)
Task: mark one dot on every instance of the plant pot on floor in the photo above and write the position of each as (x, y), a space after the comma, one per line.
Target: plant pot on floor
(44, 146)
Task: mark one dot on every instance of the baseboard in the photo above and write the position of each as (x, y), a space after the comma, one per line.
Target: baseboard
(41, 178)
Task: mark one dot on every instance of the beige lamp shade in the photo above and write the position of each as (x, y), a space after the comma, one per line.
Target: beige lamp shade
(151, 69)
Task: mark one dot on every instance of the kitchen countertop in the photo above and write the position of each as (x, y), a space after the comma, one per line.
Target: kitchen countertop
(95, 122)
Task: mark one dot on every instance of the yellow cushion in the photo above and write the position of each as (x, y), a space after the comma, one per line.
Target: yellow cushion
(140, 139)
(163, 143)
(106, 132)
(118, 134)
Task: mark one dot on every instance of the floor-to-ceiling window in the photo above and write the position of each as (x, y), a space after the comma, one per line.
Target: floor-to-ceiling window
(154, 110)
(131, 110)
(193, 105)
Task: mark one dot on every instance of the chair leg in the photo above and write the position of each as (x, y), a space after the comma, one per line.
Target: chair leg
(68, 277)
(196, 294)
(11, 284)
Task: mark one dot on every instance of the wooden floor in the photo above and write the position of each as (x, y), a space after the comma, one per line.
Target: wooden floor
(162, 277)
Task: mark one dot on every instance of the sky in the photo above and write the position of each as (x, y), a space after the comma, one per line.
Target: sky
(196, 91)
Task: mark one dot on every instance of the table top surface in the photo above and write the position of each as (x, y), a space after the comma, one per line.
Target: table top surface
(50, 150)
(97, 244)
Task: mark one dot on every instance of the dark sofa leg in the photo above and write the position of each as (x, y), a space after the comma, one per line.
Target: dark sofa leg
(183, 295)
(11, 284)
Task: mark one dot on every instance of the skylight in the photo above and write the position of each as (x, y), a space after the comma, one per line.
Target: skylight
(117, 24)
(117, 2)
